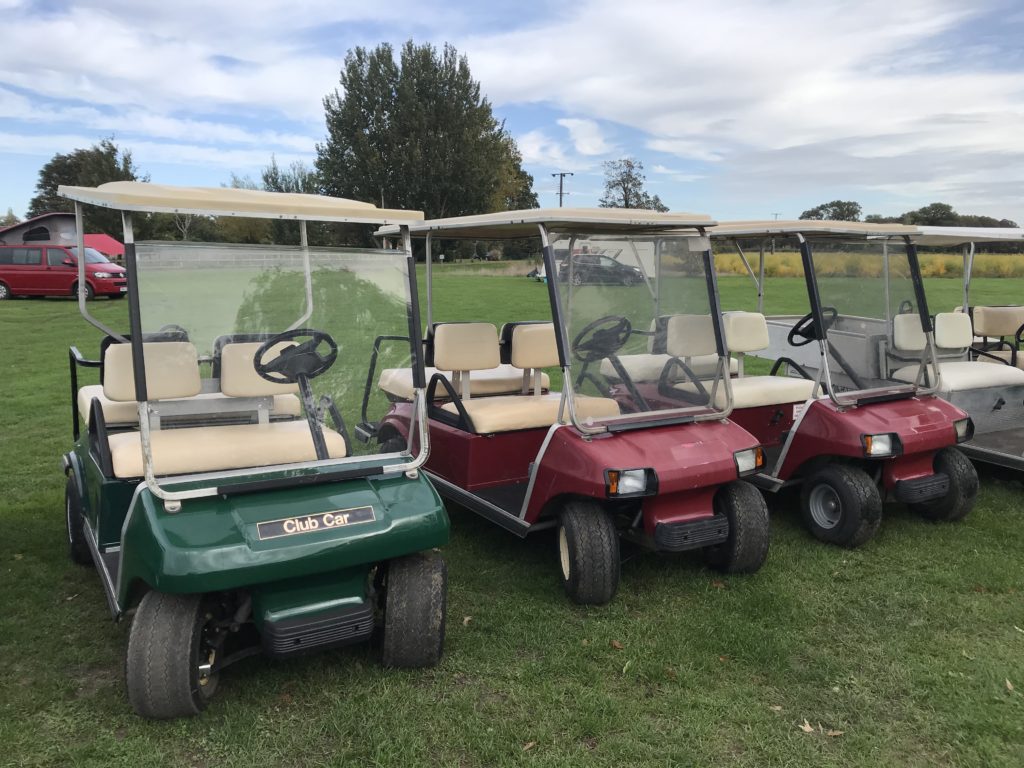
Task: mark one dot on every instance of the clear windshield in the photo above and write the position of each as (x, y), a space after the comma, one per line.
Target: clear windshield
(92, 256)
(228, 300)
(640, 326)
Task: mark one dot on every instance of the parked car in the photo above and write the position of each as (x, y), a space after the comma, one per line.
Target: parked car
(596, 268)
(52, 270)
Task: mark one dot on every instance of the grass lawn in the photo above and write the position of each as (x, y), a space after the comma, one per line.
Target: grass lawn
(902, 653)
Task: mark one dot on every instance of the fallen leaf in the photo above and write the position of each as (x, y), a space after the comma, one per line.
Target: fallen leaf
(617, 645)
(1018, 629)
(835, 689)
(775, 708)
(627, 666)
(833, 734)
(723, 658)
(69, 599)
(1009, 685)
(807, 727)
(18, 556)
(671, 673)
(966, 655)
(584, 642)
(529, 745)
(718, 584)
(466, 620)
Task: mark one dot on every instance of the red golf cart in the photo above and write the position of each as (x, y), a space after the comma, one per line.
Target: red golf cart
(598, 460)
(838, 422)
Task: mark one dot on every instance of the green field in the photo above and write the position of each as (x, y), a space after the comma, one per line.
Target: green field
(908, 652)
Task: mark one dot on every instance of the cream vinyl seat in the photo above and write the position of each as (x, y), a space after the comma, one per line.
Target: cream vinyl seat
(952, 331)
(465, 350)
(648, 367)
(993, 324)
(503, 380)
(748, 332)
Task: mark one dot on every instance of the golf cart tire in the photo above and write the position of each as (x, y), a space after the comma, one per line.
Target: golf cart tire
(394, 444)
(78, 548)
(415, 603)
(588, 546)
(162, 663)
(859, 504)
(962, 493)
(745, 550)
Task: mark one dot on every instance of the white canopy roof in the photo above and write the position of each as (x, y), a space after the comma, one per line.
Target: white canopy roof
(964, 235)
(515, 224)
(228, 201)
(811, 227)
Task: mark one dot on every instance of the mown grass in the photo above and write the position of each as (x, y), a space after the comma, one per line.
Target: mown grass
(904, 646)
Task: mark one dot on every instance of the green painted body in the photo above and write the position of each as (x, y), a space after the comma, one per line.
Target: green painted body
(212, 543)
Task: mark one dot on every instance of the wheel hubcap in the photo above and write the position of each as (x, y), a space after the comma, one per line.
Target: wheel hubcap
(563, 553)
(826, 508)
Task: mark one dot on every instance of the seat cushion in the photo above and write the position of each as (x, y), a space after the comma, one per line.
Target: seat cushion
(756, 391)
(127, 412)
(964, 375)
(1002, 354)
(503, 380)
(511, 412)
(649, 367)
(211, 449)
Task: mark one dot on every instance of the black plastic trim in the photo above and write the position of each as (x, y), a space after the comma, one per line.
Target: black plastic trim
(922, 488)
(811, 279)
(435, 412)
(557, 316)
(76, 361)
(99, 446)
(915, 276)
(290, 637)
(712, 285)
(135, 324)
(257, 486)
(373, 369)
(482, 507)
(697, 534)
(415, 334)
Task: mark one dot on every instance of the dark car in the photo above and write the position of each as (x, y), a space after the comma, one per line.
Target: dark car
(597, 268)
(52, 270)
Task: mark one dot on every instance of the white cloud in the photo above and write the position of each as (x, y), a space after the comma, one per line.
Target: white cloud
(587, 136)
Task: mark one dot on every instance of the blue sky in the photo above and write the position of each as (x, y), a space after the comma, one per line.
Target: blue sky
(740, 109)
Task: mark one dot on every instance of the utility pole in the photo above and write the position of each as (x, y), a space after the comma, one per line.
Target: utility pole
(561, 185)
(776, 215)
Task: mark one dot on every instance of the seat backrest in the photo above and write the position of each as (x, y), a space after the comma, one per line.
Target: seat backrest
(238, 377)
(907, 334)
(953, 330)
(466, 346)
(745, 331)
(533, 346)
(998, 321)
(690, 336)
(172, 371)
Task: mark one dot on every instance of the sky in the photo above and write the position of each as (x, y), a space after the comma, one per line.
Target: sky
(741, 109)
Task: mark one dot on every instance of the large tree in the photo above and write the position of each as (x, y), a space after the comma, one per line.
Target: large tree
(10, 219)
(624, 186)
(837, 210)
(90, 167)
(417, 133)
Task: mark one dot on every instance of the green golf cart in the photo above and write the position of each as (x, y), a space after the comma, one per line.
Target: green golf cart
(213, 482)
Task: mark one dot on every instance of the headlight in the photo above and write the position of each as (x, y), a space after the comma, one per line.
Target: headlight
(880, 446)
(749, 461)
(630, 482)
(102, 274)
(964, 429)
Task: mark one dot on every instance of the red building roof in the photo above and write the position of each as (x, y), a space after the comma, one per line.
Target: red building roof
(105, 244)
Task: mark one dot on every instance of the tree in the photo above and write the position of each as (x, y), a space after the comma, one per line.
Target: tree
(10, 219)
(934, 215)
(624, 186)
(837, 210)
(91, 167)
(417, 134)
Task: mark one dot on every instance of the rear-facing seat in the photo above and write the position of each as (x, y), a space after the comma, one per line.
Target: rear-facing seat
(998, 329)
(236, 364)
(748, 332)
(952, 331)
(467, 348)
(172, 373)
(503, 380)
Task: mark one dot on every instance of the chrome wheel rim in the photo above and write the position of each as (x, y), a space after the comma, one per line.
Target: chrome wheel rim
(826, 508)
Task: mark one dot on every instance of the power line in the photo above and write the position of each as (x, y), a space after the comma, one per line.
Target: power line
(561, 185)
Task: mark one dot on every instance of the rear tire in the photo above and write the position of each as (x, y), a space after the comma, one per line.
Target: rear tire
(415, 602)
(165, 649)
(78, 548)
(588, 547)
(963, 489)
(393, 444)
(5, 292)
(749, 529)
(841, 505)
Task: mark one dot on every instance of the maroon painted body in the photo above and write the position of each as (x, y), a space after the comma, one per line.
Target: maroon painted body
(691, 461)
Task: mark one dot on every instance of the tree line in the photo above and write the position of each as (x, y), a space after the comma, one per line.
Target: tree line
(933, 215)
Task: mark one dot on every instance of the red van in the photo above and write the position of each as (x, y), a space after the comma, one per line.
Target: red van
(52, 270)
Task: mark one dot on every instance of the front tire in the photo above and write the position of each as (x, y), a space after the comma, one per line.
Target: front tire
(749, 529)
(963, 489)
(78, 549)
(89, 292)
(5, 292)
(415, 602)
(841, 505)
(588, 548)
(166, 647)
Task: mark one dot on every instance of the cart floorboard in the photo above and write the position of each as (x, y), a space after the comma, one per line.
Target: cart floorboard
(1005, 448)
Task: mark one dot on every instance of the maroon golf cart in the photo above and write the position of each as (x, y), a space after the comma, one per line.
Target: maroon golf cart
(527, 433)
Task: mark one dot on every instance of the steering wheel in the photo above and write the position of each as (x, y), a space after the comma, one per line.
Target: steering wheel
(804, 329)
(302, 359)
(906, 307)
(605, 336)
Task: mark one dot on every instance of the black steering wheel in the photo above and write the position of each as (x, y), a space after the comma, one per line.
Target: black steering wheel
(804, 332)
(906, 307)
(601, 338)
(303, 359)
